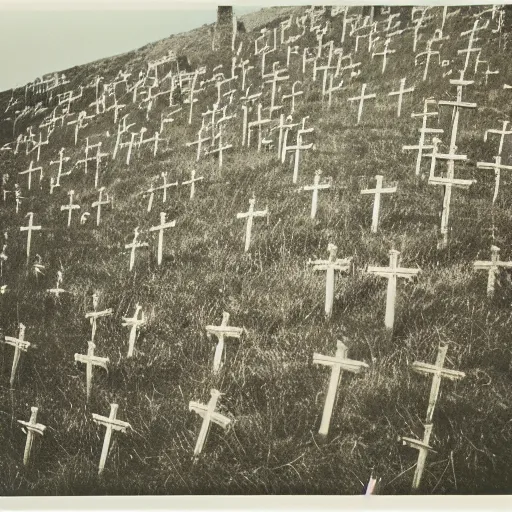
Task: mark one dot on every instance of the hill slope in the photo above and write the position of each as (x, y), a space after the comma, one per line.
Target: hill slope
(271, 390)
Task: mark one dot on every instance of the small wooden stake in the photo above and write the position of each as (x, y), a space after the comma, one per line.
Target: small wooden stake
(222, 331)
(112, 424)
(33, 428)
(207, 412)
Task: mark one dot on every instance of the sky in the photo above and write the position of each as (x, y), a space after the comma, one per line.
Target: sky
(51, 35)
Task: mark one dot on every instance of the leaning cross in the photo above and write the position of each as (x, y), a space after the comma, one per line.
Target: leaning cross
(134, 323)
(250, 217)
(330, 265)
(361, 101)
(378, 190)
(70, 207)
(400, 93)
(20, 345)
(90, 360)
(222, 331)
(163, 225)
(192, 183)
(423, 448)
(391, 273)
(493, 267)
(207, 412)
(112, 424)
(33, 428)
(438, 373)
(29, 230)
(338, 363)
(94, 315)
(315, 188)
(134, 245)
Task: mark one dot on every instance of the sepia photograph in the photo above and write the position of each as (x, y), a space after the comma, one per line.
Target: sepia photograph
(255, 250)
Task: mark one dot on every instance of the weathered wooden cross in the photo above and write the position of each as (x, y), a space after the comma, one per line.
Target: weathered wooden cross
(95, 314)
(428, 54)
(315, 188)
(293, 95)
(207, 412)
(90, 360)
(222, 331)
(57, 290)
(400, 93)
(198, 143)
(33, 428)
(135, 244)
(20, 345)
(99, 203)
(299, 146)
(29, 230)
(29, 171)
(384, 53)
(134, 323)
(112, 424)
(338, 363)
(192, 182)
(330, 266)
(493, 267)
(495, 166)
(391, 273)
(377, 191)
(70, 207)
(361, 101)
(250, 218)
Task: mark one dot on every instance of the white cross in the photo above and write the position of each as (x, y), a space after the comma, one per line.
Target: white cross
(192, 181)
(250, 217)
(20, 345)
(384, 53)
(134, 245)
(57, 290)
(438, 372)
(165, 186)
(257, 124)
(330, 266)
(492, 267)
(472, 39)
(496, 166)
(87, 158)
(400, 94)
(97, 158)
(338, 363)
(163, 225)
(199, 143)
(284, 128)
(90, 360)
(98, 204)
(293, 95)
(207, 412)
(134, 323)
(29, 230)
(30, 170)
(332, 88)
(112, 424)
(361, 101)
(315, 188)
(222, 331)
(377, 191)
(502, 133)
(33, 428)
(428, 55)
(220, 148)
(423, 448)
(299, 146)
(94, 315)
(391, 273)
(70, 207)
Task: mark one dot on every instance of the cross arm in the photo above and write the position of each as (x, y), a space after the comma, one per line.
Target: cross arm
(37, 427)
(98, 314)
(414, 443)
(437, 180)
(114, 424)
(233, 332)
(346, 364)
(15, 342)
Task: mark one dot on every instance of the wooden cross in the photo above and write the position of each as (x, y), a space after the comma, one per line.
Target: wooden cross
(90, 360)
(70, 207)
(274, 81)
(30, 170)
(112, 424)
(299, 146)
(250, 218)
(99, 203)
(61, 161)
(57, 290)
(496, 166)
(423, 131)
(134, 323)
(87, 158)
(20, 345)
(199, 143)
(391, 273)
(94, 315)
(492, 267)
(192, 181)
(400, 93)
(384, 53)
(502, 133)
(207, 412)
(33, 428)
(315, 188)
(257, 124)
(330, 266)
(97, 158)
(377, 191)
(151, 193)
(222, 331)
(220, 148)
(361, 101)
(293, 95)
(129, 145)
(122, 128)
(472, 39)
(134, 245)
(191, 98)
(332, 88)
(423, 448)
(338, 363)
(29, 230)
(165, 186)
(438, 372)
(428, 55)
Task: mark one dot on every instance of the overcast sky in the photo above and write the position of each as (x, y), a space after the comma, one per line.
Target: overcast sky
(35, 42)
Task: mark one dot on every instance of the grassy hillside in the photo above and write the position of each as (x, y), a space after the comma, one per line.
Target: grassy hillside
(272, 391)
